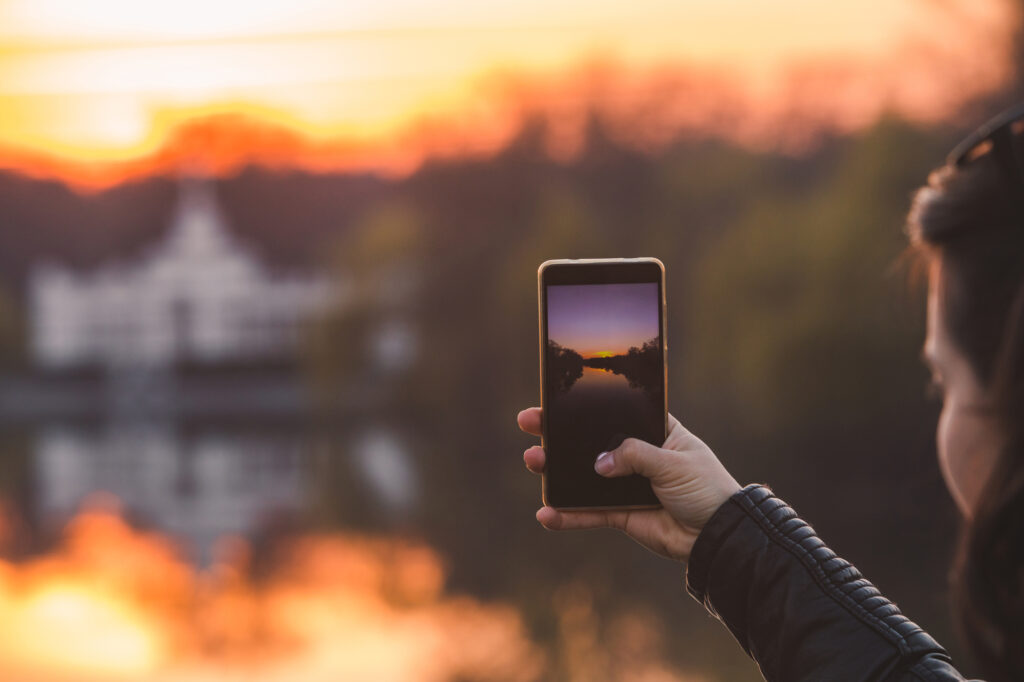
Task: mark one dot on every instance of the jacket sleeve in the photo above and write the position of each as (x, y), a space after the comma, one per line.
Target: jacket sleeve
(797, 609)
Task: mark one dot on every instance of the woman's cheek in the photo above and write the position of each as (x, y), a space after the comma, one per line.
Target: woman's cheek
(966, 454)
(946, 446)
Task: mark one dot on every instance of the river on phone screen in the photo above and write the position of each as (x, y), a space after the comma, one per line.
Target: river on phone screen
(601, 408)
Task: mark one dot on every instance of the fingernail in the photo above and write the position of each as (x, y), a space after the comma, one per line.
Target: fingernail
(604, 463)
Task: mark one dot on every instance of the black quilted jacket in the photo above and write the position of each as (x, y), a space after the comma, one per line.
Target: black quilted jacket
(801, 612)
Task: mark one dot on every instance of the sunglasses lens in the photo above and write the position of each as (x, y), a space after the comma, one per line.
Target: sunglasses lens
(976, 152)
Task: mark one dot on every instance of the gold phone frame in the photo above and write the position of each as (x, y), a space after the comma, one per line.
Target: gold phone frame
(542, 332)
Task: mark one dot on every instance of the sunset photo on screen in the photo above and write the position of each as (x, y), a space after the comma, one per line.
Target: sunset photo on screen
(604, 348)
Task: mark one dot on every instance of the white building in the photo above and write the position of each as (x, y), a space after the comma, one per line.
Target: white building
(197, 295)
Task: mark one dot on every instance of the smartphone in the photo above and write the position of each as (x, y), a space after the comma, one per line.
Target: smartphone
(602, 375)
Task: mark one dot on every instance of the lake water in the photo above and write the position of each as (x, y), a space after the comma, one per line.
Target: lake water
(611, 409)
(595, 414)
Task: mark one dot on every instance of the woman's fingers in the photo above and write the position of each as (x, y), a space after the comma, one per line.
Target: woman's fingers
(529, 420)
(634, 456)
(534, 459)
(552, 519)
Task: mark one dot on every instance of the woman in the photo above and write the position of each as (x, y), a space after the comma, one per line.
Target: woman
(801, 612)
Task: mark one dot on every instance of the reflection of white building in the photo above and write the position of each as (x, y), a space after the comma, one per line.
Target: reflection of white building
(198, 295)
(199, 489)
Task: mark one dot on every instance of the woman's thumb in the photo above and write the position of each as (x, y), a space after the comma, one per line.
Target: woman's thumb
(634, 456)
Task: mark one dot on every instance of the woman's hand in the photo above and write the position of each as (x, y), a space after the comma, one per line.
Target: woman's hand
(686, 476)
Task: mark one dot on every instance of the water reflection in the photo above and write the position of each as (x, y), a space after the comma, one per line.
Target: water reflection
(121, 605)
(608, 395)
(198, 487)
(595, 378)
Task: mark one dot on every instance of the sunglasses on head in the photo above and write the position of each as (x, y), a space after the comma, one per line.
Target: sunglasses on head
(1000, 137)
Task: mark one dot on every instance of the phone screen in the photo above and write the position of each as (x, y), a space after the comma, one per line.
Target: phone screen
(604, 376)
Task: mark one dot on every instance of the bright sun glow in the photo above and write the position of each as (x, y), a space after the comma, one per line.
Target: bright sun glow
(110, 80)
(99, 634)
(113, 604)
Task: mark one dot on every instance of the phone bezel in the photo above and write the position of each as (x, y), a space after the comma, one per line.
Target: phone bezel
(598, 271)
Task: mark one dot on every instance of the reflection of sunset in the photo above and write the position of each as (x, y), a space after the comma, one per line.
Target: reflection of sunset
(115, 603)
(335, 85)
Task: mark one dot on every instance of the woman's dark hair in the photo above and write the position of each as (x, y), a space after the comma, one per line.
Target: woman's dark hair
(970, 221)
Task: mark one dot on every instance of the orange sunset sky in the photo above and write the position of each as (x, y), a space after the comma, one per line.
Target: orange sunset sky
(100, 90)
